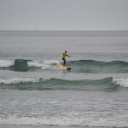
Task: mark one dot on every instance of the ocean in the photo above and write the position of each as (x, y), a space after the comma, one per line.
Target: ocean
(35, 92)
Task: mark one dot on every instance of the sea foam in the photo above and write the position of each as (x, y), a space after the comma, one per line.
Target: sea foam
(6, 63)
(121, 82)
(18, 80)
(46, 64)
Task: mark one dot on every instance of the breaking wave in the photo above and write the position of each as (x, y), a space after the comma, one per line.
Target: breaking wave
(82, 66)
(107, 84)
(26, 65)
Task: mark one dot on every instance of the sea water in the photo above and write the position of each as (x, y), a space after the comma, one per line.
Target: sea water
(35, 91)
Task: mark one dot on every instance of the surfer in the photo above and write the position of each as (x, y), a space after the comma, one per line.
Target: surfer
(63, 57)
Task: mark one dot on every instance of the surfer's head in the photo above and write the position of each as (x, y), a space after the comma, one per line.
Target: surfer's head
(65, 51)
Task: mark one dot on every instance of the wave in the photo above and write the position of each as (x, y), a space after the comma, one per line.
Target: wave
(26, 65)
(82, 66)
(93, 62)
(107, 84)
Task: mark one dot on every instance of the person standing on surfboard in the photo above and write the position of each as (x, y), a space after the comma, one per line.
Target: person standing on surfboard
(63, 57)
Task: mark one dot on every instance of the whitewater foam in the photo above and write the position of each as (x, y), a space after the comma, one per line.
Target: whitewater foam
(49, 64)
(34, 64)
(121, 82)
(38, 65)
(6, 63)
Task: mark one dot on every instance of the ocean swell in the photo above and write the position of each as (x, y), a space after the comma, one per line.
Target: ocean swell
(92, 66)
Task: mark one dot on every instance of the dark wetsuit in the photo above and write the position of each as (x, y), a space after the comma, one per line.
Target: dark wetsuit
(64, 61)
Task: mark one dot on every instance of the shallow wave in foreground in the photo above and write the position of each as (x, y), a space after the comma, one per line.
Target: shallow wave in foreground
(108, 84)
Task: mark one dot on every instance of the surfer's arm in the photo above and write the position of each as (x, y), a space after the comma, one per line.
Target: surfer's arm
(68, 55)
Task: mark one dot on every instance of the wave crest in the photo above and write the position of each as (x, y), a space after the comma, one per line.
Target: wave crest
(121, 82)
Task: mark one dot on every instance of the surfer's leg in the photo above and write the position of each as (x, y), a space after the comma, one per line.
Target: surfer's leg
(64, 61)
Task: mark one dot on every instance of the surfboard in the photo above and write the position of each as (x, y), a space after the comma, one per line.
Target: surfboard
(64, 67)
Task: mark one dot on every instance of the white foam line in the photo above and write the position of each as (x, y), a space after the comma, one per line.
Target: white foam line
(21, 80)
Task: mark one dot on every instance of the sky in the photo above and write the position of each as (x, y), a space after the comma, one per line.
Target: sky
(64, 15)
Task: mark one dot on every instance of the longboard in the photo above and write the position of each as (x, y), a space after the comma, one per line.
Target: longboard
(64, 67)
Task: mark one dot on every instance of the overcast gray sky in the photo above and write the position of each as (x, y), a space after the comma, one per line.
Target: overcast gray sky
(63, 14)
